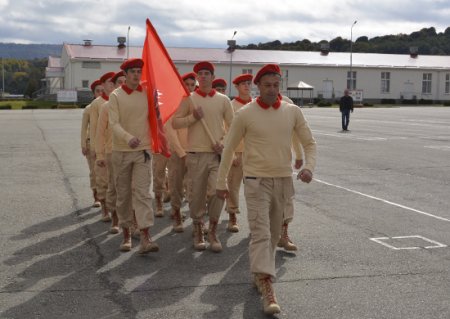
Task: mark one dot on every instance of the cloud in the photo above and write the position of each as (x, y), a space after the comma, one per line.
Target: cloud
(210, 23)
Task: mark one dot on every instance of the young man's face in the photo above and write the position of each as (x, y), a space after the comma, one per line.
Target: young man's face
(205, 78)
(190, 84)
(221, 89)
(269, 88)
(98, 91)
(120, 80)
(108, 86)
(133, 77)
(244, 88)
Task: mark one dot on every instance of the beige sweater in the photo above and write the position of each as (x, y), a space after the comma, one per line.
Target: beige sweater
(93, 119)
(85, 126)
(103, 137)
(268, 139)
(218, 114)
(128, 118)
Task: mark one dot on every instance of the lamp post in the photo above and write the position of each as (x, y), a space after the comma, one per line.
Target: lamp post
(3, 78)
(351, 52)
(231, 47)
(128, 43)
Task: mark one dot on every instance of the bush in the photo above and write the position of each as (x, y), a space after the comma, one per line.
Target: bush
(29, 107)
(368, 104)
(425, 102)
(388, 101)
(413, 102)
(446, 103)
(5, 107)
(324, 104)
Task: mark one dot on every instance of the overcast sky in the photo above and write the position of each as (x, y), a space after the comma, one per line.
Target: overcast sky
(210, 23)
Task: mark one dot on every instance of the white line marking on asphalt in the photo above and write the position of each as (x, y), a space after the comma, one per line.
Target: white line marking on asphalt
(380, 240)
(350, 136)
(383, 200)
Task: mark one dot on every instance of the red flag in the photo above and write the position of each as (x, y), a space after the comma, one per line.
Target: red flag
(165, 88)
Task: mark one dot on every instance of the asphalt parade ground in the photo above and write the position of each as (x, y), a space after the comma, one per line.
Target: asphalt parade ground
(373, 230)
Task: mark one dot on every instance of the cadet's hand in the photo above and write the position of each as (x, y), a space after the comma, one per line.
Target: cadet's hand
(218, 147)
(305, 175)
(101, 163)
(134, 142)
(84, 151)
(222, 193)
(198, 113)
(298, 164)
(237, 161)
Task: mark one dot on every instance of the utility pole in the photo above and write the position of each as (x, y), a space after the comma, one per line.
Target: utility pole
(351, 51)
(3, 77)
(128, 43)
(231, 47)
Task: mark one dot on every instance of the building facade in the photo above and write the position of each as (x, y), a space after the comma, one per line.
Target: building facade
(376, 77)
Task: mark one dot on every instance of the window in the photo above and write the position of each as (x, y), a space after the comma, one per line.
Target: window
(85, 83)
(447, 83)
(351, 80)
(247, 71)
(385, 82)
(90, 65)
(426, 83)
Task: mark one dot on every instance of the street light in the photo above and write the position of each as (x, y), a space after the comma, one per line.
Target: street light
(231, 47)
(128, 43)
(351, 52)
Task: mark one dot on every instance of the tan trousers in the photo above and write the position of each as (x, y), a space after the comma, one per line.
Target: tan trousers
(91, 162)
(159, 164)
(234, 181)
(101, 181)
(266, 200)
(111, 195)
(131, 168)
(177, 173)
(202, 170)
(289, 212)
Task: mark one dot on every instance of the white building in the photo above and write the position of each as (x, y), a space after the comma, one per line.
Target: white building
(376, 76)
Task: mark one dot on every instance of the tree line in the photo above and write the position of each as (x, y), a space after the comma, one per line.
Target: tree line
(22, 76)
(427, 40)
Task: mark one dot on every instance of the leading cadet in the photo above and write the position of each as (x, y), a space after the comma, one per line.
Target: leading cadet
(267, 123)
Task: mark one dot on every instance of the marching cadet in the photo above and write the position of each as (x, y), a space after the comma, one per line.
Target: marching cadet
(101, 178)
(177, 162)
(243, 85)
(131, 156)
(205, 119)
(86, 149)
(220, 85)
(267, 123)
(103, 146)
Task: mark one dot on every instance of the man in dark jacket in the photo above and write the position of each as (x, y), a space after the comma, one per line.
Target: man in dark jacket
(345, 106)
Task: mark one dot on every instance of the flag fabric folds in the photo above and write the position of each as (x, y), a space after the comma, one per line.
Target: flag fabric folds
(164, 86)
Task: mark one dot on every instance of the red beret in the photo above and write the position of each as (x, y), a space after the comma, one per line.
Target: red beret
(242, 78)
(117, 75)
(268, 68)
(105, 77)
(132, 63)
(95, 84)
(204, 65)
(190, 75)
(219, 82)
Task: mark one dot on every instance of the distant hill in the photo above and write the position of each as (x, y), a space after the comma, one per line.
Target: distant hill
(29, 51)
